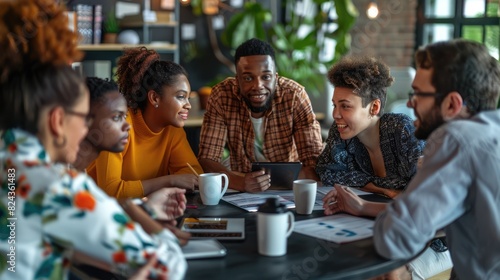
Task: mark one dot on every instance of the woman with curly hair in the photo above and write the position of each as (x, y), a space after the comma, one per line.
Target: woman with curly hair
(366, 148)
(371, 150)
(51, 215)
(157, 153)
(109, 132)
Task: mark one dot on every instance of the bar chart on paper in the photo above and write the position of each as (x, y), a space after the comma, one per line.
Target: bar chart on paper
(339, 228)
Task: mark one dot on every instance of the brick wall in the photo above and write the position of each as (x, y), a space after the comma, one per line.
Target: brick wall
(391, 36)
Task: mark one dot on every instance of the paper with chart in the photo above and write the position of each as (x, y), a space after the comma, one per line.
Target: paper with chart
(339, 228)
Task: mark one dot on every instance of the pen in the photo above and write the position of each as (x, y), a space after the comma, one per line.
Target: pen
(191, 206)
(192, 169)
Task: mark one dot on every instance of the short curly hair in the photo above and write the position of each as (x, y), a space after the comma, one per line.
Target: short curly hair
(141, 70)
(368, 77)
(99, 87)
(253, 47)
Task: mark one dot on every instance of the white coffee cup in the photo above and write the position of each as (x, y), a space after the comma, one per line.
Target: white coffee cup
(274, 225)
(211, 188)
(304, 193)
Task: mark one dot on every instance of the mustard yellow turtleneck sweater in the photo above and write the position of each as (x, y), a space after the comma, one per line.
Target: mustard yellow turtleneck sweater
(147, 155)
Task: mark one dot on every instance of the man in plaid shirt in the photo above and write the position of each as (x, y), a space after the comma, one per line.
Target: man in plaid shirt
(261, 117)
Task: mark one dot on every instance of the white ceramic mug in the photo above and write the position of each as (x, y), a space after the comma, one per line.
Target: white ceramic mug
(304, 193)
(211, 188)
(273, 230)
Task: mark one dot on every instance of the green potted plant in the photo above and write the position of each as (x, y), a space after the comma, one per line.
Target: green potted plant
(111, 28)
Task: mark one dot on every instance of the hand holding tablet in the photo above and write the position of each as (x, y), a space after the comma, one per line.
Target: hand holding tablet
(282, 173)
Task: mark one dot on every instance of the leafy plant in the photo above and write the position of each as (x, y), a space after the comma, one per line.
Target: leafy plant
(111, 23)
(297, 57)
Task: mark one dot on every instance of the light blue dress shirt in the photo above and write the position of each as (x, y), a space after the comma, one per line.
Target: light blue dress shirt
(458, 189)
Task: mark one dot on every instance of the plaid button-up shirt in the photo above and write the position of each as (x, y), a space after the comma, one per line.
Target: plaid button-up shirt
(292, 132)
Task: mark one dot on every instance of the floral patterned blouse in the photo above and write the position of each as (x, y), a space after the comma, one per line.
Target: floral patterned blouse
(48, 211)
(347, 162)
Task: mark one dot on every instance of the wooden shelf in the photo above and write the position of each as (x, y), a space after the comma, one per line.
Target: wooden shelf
(148, 24)
(120, 47)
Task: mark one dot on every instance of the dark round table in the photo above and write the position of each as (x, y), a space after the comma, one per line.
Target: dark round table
(306, 258)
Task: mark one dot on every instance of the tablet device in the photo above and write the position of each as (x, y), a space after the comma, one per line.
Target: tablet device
(201, 249)
(218, 228)
(282, 173)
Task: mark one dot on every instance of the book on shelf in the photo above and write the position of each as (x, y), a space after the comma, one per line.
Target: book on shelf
(84, 23)
(89, 23)
(96, 24)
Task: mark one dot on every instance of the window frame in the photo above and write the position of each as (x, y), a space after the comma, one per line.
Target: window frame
(458, 21)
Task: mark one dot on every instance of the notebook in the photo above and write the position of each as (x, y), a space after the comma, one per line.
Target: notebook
(282, 173)
(218, 228)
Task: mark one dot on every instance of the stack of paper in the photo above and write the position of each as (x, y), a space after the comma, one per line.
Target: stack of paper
(252, 201)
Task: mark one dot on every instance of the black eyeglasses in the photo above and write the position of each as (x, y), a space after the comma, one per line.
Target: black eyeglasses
(87, 117)
(412, 94)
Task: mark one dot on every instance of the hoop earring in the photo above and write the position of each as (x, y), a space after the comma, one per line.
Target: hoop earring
(60, 145)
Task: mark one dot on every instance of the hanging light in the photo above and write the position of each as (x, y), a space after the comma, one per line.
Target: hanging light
(210, 7)
(372, 11)
(185, 2)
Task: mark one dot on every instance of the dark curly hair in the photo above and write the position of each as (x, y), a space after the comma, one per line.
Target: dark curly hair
(99, 87)
(465, 67)
(253, 47)
(141, 70)
(368, 77)
(37, 48)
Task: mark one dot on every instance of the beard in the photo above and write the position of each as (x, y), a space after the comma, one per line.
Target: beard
(429, 124)
(260, 109)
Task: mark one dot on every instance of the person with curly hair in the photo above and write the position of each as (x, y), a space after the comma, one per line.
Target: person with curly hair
(49, 212)
(371, 150)
(109, 132)
(157, 152)
(456, 89)
(366, 148)
(261, 117)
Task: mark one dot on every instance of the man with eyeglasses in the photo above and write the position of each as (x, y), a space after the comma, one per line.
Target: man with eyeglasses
(456, 91)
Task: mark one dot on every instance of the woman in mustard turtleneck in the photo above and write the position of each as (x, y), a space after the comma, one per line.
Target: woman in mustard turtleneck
(157, 152)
